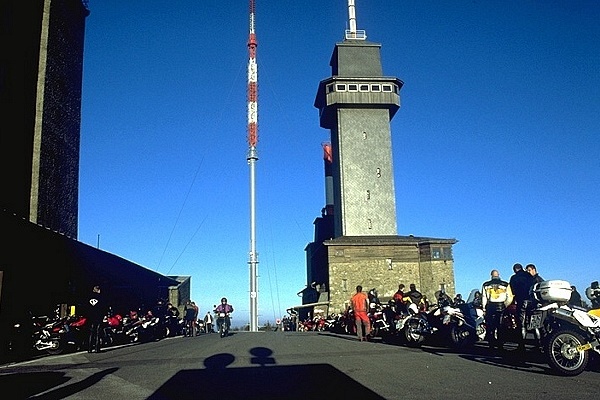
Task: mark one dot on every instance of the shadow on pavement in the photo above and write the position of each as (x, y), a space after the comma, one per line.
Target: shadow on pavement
(30, 384)
(265, 381)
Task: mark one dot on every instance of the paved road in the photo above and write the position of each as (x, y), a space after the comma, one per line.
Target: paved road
(290, 365)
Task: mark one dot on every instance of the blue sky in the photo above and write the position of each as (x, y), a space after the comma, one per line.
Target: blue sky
(496, 143)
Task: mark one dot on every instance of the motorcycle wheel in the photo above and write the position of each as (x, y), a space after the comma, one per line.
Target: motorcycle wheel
(412, 333)
(462, 336)
(561, 351)
(223, 331)
(57, 347)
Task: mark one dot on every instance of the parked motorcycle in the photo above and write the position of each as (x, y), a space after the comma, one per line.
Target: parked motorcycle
(415, 326)
(382, 318)
(113, 332)
(570, 334)
(465, 322)
(344, 323)
(61, 334)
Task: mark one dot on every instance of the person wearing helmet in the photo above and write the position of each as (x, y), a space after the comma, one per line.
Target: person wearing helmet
(226, 308)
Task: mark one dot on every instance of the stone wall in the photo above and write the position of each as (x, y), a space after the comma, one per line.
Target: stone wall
(383, 267)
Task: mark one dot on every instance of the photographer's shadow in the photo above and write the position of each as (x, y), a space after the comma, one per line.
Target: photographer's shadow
(266, 380)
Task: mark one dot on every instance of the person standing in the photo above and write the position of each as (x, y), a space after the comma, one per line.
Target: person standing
(414, 296)
(95, 311)
(520, 284)
(496, 297)
(575, 299)
(173, 319)
(360, 305)
(196, 313)
(208, 322)
(399, 305)
(172, 311)
(532, 269)
(189, 313)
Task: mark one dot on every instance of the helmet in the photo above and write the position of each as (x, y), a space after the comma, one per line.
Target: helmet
(224, 300)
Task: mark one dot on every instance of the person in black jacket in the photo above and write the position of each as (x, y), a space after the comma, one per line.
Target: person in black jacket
(95, 311)
(520, 284)
(575, 299)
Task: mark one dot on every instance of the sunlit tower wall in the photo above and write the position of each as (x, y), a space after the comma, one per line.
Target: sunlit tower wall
(41, 69)
(252, 93)
(357, 104)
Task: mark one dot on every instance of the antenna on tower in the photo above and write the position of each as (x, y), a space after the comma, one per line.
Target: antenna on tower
(252, 158)
(353, 33)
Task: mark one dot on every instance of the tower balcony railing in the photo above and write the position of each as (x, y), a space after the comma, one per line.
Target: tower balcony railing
(356, 35)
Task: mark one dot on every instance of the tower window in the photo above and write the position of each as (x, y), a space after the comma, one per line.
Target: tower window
(340, 88)
(352, 87)
(441, 253)
(364, 88)
(329, 88)
(375, 88)
(386, 88)
(378, 172)
(369, 223)
(368, 195)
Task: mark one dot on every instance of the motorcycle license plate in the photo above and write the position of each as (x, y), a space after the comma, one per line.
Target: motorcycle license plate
(584, 347)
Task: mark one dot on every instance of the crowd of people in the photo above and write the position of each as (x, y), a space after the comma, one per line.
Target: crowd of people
(494, 297)
(97, 311)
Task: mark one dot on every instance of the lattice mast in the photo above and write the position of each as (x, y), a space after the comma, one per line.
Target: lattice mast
(252, 96)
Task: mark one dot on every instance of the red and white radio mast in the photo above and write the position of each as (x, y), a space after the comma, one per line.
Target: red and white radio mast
(252, 158)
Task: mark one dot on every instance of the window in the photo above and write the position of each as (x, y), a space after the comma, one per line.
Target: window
(364, 88)
(387, 88)
(375, 88)
(329, 88)
(441, 253)
(340, 88)
(447, 253)
(352, 87)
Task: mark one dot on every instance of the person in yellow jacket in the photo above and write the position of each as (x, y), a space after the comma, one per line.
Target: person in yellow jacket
(496, 296)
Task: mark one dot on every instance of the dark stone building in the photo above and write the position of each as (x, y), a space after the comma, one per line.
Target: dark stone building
(42, 264)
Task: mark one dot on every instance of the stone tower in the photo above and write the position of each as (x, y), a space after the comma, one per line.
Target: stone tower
(359, 244)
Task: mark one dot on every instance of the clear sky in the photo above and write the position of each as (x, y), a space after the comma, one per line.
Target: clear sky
(496, 143)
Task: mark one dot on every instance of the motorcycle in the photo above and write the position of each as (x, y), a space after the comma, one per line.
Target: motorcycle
(113, 332)
(132, 325)
(569, 334)
(383, 320)
(415, 326)
(344, 323)
(60, 334)
(464, 322)
(223, 321)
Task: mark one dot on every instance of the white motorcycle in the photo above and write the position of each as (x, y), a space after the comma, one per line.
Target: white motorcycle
(465, 322)
(570, 334)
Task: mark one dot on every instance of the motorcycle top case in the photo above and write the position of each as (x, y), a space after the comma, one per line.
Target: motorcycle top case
(552, 291)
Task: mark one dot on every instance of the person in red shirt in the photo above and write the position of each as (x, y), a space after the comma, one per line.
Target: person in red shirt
(360, 305)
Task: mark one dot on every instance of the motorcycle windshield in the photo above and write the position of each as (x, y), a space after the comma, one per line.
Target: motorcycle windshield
(473, 295)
